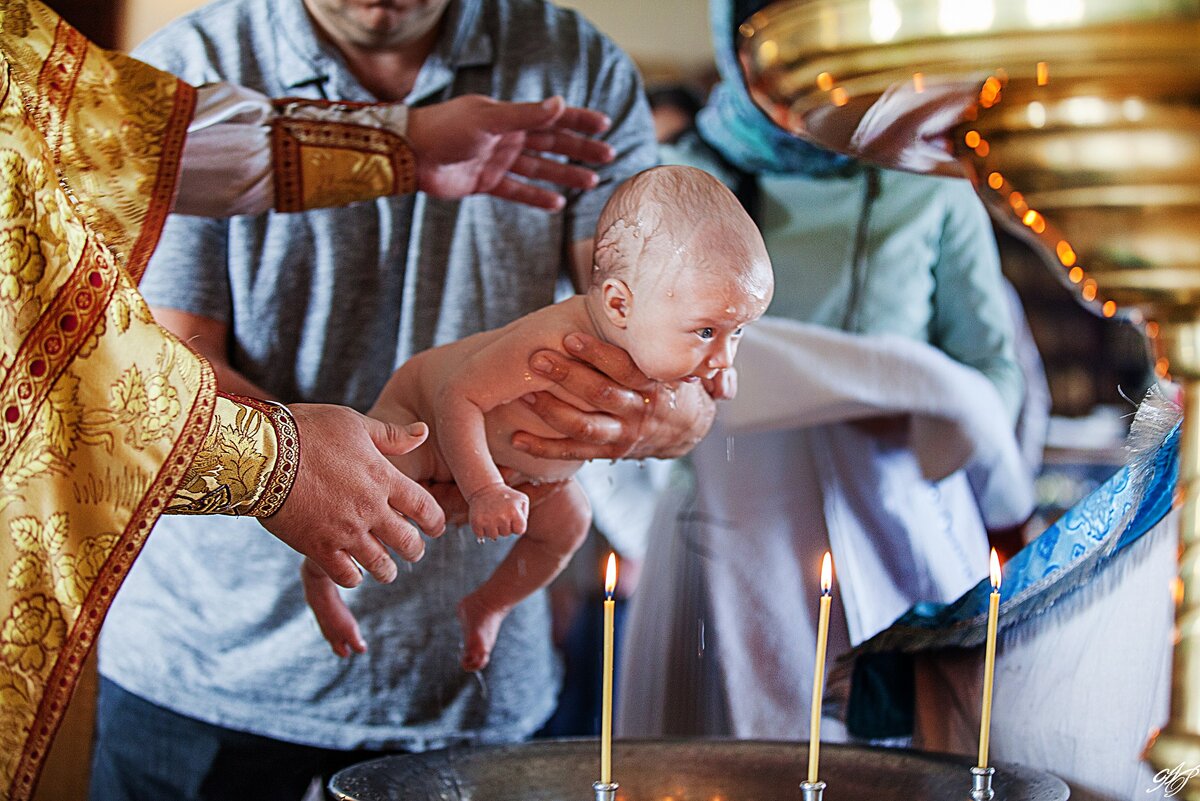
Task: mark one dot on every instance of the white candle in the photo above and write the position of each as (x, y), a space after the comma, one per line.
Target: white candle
(818, 689)
(610, 584)
(989, 661)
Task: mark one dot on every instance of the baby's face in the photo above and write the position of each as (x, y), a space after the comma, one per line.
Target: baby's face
(688, 327)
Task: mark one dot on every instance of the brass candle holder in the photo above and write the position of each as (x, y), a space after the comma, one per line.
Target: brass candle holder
(1079, 123)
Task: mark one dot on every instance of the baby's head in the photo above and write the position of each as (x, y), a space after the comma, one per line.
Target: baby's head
(679, 269)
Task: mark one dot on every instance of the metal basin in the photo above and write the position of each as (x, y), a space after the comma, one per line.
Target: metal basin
(679, 770)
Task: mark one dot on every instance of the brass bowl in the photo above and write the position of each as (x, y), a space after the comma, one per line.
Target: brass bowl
(683, 770)
(1078, 120)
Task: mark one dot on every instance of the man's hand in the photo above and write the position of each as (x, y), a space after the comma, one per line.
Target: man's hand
(348, 501)
(475, 144)
(635, 417)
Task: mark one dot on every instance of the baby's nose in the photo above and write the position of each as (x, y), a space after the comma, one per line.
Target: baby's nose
(723, 356)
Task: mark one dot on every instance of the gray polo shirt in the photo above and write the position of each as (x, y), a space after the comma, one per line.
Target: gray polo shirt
(323, 306)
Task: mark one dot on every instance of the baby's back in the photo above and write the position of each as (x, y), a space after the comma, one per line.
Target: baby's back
(416, 387)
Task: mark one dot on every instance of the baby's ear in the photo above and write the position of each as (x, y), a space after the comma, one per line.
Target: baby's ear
(618, 299)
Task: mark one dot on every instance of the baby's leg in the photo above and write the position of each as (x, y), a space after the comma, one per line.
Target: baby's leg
(333, 616)
(558, 524)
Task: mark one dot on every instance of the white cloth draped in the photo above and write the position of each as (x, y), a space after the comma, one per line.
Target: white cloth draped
(792, 468)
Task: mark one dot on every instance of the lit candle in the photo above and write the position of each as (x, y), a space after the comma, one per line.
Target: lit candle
(610, 584)
(989, 661)
(814, 738)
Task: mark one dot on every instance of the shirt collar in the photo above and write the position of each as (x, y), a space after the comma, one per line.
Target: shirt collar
(304, 60)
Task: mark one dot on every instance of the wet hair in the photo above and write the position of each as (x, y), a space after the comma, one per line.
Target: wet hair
(633, 221)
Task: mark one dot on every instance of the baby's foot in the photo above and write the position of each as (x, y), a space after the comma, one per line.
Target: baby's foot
(498, 510)
(480, 625)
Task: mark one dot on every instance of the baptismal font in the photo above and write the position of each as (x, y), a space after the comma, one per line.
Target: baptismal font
(1079, 123)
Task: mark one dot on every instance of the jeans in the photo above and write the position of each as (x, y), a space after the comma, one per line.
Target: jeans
(145, 752)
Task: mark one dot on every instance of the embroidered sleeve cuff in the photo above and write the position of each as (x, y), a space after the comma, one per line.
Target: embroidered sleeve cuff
(332, 154)
(246, 153)
(247, 464)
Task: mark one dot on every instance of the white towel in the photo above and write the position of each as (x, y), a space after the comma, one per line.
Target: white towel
(792, 468)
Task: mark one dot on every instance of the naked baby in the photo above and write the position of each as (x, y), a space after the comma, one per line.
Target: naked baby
(678, 270)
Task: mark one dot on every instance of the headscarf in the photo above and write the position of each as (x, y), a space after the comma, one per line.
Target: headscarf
(737, 128)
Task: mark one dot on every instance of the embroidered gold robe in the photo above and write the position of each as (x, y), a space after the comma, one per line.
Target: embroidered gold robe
(106, 420)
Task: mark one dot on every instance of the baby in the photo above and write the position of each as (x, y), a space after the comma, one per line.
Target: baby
(678, 270)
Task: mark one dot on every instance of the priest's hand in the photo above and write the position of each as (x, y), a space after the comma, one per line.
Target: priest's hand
(473, 144)
(349, 504)
(621, 413)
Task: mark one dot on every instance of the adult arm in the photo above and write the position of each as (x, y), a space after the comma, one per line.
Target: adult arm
(246, 153)
(337, 500)
(972, 323)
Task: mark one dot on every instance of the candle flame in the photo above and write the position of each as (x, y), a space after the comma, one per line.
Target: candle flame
(826, 573)
(995, 571)
(610, 576)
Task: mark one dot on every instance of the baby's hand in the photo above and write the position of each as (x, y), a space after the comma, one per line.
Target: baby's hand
(498, 510)
(333, 616)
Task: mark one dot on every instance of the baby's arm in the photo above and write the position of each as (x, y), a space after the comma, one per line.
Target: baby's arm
(494, 374)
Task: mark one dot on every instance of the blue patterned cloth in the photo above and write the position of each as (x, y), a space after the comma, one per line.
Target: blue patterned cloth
(1067, 556)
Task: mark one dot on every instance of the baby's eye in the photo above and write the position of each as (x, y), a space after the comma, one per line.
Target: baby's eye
(738, 331)
(705, 333)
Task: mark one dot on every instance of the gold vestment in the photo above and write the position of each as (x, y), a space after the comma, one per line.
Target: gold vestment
(106, 419)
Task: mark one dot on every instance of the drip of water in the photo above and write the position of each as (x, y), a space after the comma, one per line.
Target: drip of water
(729, 448)
(700, 638)
(483, 688)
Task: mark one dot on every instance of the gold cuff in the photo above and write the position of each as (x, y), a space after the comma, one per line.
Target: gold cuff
(287, 460)
(336, 160)
(247, 464)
